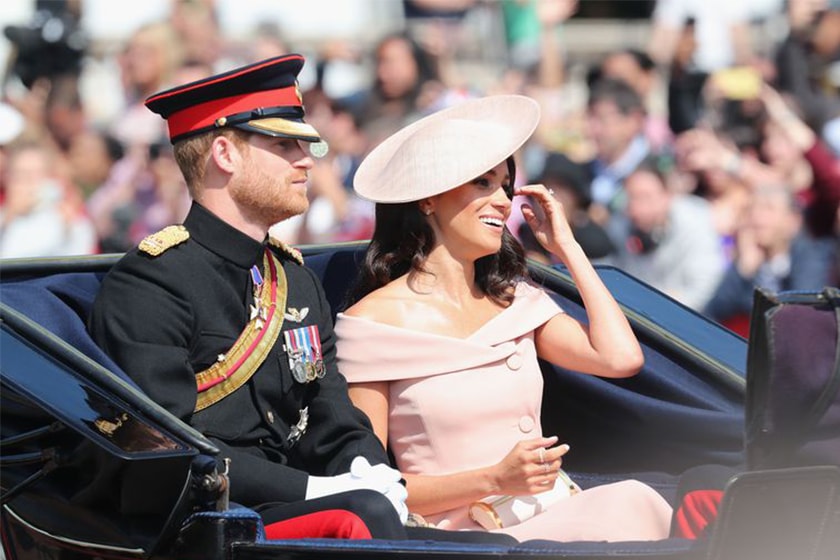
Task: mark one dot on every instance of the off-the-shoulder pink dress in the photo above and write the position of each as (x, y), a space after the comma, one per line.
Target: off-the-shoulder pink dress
(460, 404)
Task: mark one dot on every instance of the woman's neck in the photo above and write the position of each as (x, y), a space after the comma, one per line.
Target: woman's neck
(447, 277)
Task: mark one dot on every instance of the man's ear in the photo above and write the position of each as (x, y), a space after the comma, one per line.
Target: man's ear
(225, 154)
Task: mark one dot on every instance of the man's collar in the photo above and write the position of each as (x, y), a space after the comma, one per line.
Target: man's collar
(221, 238)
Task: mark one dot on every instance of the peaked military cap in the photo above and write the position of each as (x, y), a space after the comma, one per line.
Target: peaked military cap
(262, 97)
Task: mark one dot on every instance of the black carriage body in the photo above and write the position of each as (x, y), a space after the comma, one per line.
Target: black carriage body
(91, 468)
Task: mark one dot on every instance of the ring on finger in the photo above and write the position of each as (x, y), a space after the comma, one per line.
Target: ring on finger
(541, 453)
(546, 468)
(551, 192)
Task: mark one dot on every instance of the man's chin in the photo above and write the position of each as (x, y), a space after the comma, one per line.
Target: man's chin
(291, 210)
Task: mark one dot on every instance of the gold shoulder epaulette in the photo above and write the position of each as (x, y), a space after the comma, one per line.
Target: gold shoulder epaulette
(286, 249)
(158, 242)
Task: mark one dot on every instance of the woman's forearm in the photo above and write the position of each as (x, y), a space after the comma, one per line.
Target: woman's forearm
(428, 494)
(609, 331)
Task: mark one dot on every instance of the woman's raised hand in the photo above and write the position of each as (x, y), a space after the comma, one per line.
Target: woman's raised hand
(530, 467)
(550, 227)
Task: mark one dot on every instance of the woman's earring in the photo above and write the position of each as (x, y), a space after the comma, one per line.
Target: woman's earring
(427, 212)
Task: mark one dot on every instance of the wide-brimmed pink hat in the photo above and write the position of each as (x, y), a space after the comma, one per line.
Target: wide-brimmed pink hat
(446, 149)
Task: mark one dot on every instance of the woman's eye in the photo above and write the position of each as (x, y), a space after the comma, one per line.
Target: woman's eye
(482, 182)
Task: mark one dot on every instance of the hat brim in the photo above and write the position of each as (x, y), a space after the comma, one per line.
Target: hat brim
(282, 128)
(446, 149)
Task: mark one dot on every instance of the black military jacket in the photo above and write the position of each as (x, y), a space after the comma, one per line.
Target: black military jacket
(164, 318)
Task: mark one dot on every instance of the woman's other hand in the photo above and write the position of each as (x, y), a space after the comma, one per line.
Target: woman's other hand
(530, 467)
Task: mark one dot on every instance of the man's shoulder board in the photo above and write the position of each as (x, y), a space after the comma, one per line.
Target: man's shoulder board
(158, 242)
(286, 250)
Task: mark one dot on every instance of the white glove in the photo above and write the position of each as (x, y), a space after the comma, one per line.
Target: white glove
(361, 468)
(362, 475)
(397, 495)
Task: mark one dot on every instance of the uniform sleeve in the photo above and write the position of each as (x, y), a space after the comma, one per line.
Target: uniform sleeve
(145, 327)
(338, 431)
(256, 479)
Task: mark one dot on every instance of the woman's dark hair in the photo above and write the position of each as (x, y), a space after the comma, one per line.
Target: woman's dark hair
(402, 239)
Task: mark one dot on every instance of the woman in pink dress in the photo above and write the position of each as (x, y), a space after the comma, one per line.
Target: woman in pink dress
(441, 348)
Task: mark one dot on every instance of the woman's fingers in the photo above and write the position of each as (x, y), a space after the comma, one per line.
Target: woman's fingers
(555, 453)
(533, 465)
(539, 442)
(541, 194)
(546, 460)
(553, 228)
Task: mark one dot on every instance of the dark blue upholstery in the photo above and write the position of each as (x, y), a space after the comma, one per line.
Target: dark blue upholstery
(61, 304)
(337, 271)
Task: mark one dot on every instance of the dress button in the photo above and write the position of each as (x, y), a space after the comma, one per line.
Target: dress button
(514, 361)
(526, 424)
(270, 416)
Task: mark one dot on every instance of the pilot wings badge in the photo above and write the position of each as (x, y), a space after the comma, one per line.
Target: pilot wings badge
(296, 315)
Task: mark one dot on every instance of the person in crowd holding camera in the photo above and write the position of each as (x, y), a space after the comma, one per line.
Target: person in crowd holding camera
(441, 345)
(789, 153)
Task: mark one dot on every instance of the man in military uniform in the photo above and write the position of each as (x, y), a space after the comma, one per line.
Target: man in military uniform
(225, 327)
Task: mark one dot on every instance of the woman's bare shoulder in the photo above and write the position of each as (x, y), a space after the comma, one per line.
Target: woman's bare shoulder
(383, 305)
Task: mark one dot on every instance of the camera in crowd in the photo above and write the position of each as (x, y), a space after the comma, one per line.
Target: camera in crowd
(52, 43)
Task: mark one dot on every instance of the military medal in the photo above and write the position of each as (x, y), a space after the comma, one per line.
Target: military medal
(299, 371)
(300, 428)
(259, 314)
(303, 346)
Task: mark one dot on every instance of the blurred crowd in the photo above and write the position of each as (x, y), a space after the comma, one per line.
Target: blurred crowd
(696, 161)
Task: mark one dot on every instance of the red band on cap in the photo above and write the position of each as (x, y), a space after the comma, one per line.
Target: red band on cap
(204, 115)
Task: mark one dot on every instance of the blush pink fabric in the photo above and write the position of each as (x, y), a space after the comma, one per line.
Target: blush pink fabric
(460, 404)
